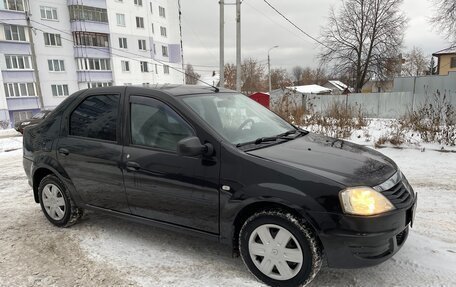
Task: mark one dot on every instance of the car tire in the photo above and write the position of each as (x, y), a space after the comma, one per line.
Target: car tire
(276, 236)
(56, 203)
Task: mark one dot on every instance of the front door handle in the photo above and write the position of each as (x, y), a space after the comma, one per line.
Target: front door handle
(133, 166)
(64, 151)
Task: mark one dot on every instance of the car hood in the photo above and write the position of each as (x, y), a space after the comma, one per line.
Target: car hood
(346, 163)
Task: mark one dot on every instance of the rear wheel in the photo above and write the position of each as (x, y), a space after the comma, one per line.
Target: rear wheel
(279, 249)
(56, 203)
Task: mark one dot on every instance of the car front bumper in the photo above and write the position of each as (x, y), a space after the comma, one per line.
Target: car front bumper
(355, 241)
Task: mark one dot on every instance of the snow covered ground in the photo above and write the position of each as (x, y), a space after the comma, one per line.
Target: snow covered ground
(107, 251)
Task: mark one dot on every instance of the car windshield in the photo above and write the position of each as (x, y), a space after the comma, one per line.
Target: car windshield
(237, 118)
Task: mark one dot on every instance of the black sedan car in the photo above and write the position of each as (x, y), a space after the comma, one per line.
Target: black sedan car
(38, 117)
(216, 164)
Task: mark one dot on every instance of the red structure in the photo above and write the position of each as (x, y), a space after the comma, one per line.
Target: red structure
(261, 98)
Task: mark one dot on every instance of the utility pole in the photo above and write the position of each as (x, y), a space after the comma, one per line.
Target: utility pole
(238, 45)
(269, 69)
(34, 63)
(222, 43)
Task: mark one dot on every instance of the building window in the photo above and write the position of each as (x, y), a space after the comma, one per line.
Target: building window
(94, 64)
(92, 85)
(123, 43)
(52, 39)
(161, 11)
(18, 62)
(91, 39)
(15, 33)
(156, 69)
(142, 45)
(139, 22)
(138, 2)
(17, 5)
(120, 20)
(163, 31)
(125, 66)
(453, 63)
(165, 51)
(59, 90)
(153, 29)
(151, 9)
(155, 50)
(144, 67)
(20, 90)
(56, 65)
(165, 69)
(80, 12)
(48, 13)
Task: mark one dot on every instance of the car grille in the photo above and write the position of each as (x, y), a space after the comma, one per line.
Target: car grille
(398, 195)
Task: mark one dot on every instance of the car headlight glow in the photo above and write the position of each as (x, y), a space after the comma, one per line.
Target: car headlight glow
(364, 201)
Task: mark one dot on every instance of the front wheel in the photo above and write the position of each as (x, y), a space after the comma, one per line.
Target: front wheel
(279, 249)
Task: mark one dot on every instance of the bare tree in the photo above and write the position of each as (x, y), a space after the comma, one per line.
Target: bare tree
(297, 74)
(191, 77)
(415, 63)
(445, 18)
(363, 38)
(316, 76)
(230, 76)
(279, 79)
(252, 76)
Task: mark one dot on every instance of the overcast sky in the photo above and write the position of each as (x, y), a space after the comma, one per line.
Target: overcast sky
(262, 29)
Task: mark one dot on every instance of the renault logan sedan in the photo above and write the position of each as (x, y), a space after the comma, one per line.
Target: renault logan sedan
(214, 163)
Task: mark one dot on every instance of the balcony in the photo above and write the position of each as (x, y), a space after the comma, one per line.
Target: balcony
(89, 26)
(13, 17)
(94, 76)
(91, 52)
(91, 3)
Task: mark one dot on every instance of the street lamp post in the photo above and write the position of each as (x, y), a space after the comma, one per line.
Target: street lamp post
(269, 68)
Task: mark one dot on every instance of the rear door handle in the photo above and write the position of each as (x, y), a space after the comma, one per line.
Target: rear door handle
(133, 166)
(64, 151)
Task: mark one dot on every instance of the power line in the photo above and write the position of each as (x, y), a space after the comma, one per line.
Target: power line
(110, 52)
(297, 27)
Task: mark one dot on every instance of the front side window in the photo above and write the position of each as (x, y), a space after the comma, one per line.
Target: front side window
(156, 125)
(96, 117)
(236, 117)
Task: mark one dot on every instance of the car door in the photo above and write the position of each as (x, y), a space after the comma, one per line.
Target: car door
(90, 152)
(161, 184)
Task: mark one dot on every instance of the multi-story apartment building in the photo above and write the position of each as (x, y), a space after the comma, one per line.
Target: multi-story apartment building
(82, 44)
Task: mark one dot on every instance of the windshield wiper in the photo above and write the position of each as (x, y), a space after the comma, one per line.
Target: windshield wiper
(283, 136)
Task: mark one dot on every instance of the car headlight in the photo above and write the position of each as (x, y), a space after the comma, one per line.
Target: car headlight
(364, 201)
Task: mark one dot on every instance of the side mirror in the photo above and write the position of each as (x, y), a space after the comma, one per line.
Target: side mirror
(192, 146)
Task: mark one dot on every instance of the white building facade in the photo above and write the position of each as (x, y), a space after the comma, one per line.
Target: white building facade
(82, 44)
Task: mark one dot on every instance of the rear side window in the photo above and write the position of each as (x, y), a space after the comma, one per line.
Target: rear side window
(96, 117)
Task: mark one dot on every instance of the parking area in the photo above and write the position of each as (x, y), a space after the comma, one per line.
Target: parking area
(107, 251)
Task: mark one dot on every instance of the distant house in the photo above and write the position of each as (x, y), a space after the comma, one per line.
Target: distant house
(337, 87)
(297, 94)
(447, 61)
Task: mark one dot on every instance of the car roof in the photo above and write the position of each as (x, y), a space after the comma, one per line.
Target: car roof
(172, 90)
